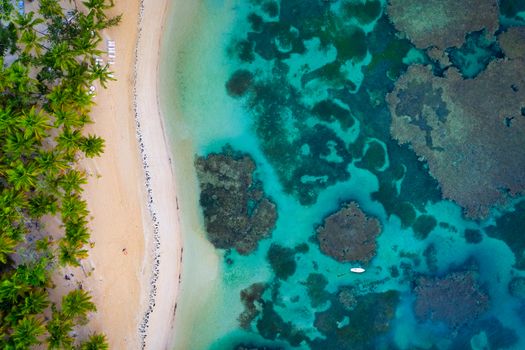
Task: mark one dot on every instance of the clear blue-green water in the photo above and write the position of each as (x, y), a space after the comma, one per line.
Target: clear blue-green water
(307, 55)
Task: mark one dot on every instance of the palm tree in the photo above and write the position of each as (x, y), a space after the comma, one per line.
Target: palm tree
(60, 56)
(41, 204)
(72, 181)
(69, 140)
(27, 331)
(35, 302)
(100, 73)
(50, 8)
(23, 176)
(98, 7)
(32, 43)
(35, 274)
(92, 146)
(12, 203)
(74, 208)
(7, 247)
(34, 123)
(16, 146)
(77, 304)
(68, 118)
(77, 233)
(59, 327)
(10, 291)
(95, 342)
(6, 8)
(51, 162)
(26, 22)
(71, 254)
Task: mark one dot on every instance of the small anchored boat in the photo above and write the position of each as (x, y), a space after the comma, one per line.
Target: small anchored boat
(357, 270)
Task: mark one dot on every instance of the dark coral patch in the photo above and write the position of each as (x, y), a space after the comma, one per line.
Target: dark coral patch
(272, 326)
(237, 213)
(316, 284)
(271, 8)
(282, 261)
(475, 126)
(330, 111)
(374, 157)
(475, 54)
(423, 225)
(355, 322)
(349, 235)
(511, 8)
(455, 299)
(239, 83)
(251, 298)
(509, 228)
(473, 236)
(442, 23)
(364, 12)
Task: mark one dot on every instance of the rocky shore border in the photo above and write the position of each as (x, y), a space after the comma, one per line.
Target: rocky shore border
(144, 323)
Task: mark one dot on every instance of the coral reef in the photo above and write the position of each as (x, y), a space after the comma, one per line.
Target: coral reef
(255, 347)
(442, 23)
(473, 236)
(423, 225)
(509, 228)
(239, 83)
(249, 297)
(495, 335)
(349, 235)
(282, 261)
(272, 326)
(512, 42)
(470, 132)
(237, 213)
(455, 299)
(355, 328)
(517, 287)
(316, 284)
(244, 346)
(475, 54)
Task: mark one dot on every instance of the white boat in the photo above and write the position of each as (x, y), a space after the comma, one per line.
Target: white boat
(357, 270)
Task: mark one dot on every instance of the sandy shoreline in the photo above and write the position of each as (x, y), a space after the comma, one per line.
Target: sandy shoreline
(134, 268)
(156, 326)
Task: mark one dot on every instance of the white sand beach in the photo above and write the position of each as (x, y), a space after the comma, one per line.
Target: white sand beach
(134, 267)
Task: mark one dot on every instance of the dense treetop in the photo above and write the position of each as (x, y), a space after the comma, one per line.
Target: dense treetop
(47, 66)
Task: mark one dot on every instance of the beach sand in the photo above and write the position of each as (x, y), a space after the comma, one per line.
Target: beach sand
(133, 269)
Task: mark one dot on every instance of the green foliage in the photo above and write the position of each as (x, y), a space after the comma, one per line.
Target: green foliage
(45, 101)
(95, 342)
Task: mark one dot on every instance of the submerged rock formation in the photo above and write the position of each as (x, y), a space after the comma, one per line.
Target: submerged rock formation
(442, 23)
(470, 132)
(455, 299)
(509, 227)
(237, 213)
(349, 235)
(512, 42)
(357, 327)
(251, 298)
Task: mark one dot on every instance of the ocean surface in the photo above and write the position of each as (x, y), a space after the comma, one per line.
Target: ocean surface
(300, 87)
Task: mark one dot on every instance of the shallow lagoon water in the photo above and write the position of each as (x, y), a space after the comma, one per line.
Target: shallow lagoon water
(310, 164)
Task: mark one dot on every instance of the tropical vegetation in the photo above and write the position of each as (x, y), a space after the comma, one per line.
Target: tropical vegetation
(47, 66)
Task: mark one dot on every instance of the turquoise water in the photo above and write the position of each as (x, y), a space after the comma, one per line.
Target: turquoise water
(312, 115)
